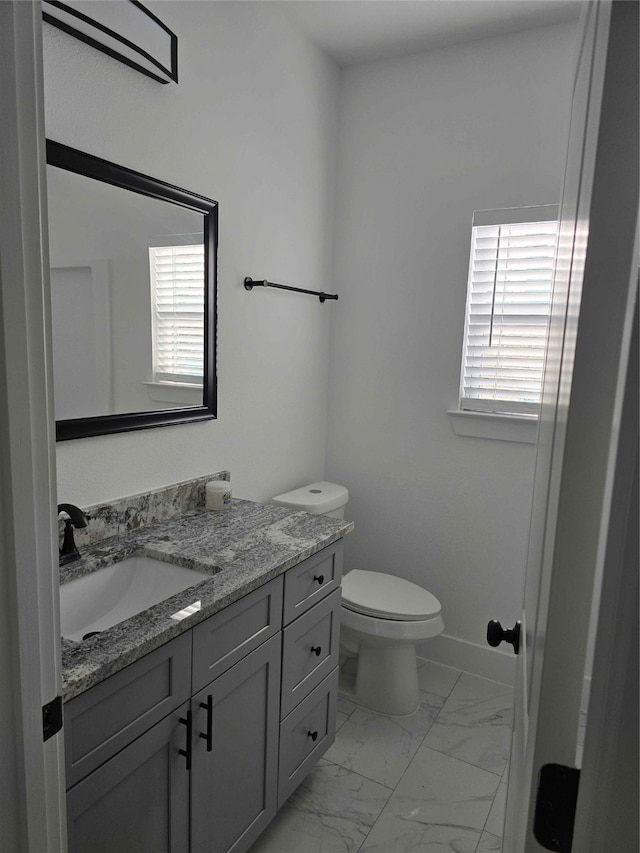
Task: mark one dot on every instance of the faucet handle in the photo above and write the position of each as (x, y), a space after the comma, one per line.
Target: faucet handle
(77, 518)
(76, 515)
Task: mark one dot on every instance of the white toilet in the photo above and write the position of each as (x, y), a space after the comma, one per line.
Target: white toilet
(383, 617)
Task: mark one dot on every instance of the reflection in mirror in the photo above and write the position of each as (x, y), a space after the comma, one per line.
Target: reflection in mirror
(133, 297)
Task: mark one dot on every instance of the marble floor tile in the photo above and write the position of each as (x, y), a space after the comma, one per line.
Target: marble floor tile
(439, 790)
(381, 747)
(394, 835)
(470, 688)
(495, 821)
(474, 724)
(345, 706)
(489, 843)
(331, 812)
(435, 678)
(341, 719)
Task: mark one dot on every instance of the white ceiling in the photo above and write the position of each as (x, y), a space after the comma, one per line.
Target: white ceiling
(353, 31)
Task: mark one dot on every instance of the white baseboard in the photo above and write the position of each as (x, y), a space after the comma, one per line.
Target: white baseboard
(470, 657)
(480, 660)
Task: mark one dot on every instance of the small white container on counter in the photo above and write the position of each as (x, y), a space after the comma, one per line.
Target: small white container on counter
(218, 495)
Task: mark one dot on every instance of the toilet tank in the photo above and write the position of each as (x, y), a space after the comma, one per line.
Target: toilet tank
(320, 498)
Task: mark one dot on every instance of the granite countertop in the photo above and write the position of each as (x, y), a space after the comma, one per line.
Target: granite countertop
(241, 548)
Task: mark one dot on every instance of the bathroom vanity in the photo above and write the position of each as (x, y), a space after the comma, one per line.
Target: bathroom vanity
(189, 734)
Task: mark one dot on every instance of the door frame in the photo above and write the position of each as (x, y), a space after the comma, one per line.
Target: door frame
(32, 791)
(574, 515)
(607, 807)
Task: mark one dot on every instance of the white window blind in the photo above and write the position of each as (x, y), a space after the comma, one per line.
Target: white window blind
(508, 303)
(176, 266)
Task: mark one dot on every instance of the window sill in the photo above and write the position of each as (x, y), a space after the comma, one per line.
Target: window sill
(519, 428)
(175, 392)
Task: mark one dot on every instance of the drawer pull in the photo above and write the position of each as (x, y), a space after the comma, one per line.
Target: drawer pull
(319, 578)
(317, 650)
(313, 736)
(188, 722)
(208, 735)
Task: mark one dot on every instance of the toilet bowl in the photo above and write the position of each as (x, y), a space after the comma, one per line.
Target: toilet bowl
(382, 619)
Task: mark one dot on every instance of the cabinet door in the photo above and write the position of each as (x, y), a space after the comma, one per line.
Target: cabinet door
(138, 801)
(108, 717)
(234, 785)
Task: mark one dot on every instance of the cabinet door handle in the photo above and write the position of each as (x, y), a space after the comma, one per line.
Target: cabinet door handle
(208, 735)
(313, 736)
(317, 650)
(188, 722)
(319, 578)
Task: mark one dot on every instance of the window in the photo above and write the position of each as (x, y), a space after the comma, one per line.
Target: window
(176, 266)
(508, 304)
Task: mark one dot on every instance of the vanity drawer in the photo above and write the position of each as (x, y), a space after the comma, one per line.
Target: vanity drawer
(299, 750)
(104, 719)
(309, 581)
(309, 650)
(226, 637)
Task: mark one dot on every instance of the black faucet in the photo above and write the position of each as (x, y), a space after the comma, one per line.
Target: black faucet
(69, 551)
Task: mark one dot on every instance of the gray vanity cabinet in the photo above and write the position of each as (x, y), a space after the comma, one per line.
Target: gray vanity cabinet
(234, 777)
(196, 745)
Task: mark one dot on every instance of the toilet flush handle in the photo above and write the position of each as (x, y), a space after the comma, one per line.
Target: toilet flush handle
(496, 634)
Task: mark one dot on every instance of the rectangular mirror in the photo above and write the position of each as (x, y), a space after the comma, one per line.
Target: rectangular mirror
(133, 295)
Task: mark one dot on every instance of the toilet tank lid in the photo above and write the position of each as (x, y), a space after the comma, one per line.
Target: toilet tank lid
(385, 596)
(316, 498)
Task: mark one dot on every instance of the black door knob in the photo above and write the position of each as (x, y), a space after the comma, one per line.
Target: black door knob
(496, 634)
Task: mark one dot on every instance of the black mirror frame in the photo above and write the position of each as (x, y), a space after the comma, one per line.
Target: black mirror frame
(73, 160)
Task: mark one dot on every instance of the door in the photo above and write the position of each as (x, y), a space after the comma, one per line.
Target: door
(586, 363)
(234, 782)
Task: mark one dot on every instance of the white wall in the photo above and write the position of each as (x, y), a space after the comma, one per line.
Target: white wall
(424, 141)
(252, 124)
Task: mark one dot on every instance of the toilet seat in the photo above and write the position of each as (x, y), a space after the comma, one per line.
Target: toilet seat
(373, 629)
(382, 596)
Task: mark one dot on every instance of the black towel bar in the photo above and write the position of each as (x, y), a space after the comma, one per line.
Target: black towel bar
(249, 284)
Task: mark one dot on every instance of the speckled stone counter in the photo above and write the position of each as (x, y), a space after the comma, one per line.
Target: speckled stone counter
(241, 549)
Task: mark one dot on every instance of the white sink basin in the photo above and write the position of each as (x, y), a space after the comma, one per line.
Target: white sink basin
(110, 595)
